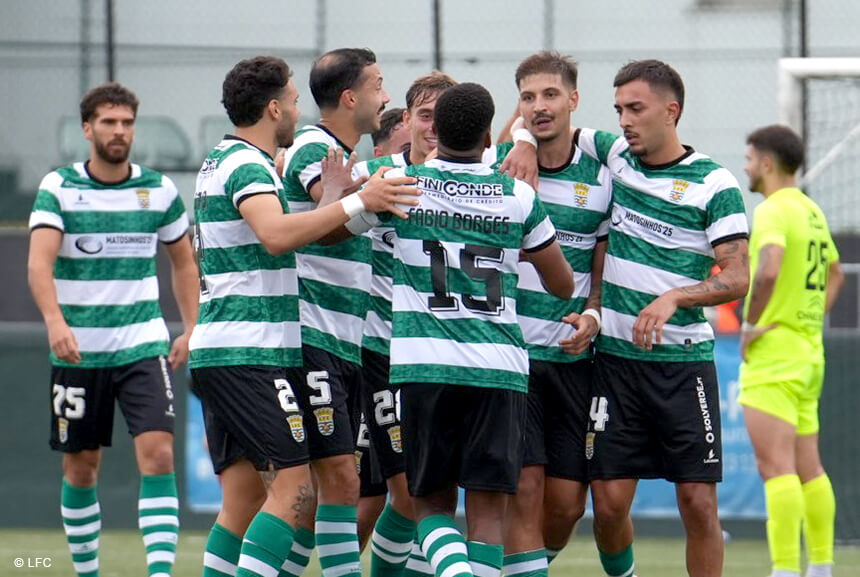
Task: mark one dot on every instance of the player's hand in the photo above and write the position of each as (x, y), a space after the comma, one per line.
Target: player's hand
(384, 194)
(178, 351)
(586, 329)
(279, 161)
(751, 333)
(521, 162)
(336, 177)
(63, 342)
(648, 328)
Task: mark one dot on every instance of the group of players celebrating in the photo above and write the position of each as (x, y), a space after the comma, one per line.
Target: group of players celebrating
(408, 324)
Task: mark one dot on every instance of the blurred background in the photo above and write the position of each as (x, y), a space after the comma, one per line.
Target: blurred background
(174, 55)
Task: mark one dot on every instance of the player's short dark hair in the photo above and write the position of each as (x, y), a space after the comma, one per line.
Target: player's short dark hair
(656, 74)
(389, 121)
(251, 85)
(336, 71)
(110, 93)
(463, 116)
(780, 141)
(428, 87)
(548, 62)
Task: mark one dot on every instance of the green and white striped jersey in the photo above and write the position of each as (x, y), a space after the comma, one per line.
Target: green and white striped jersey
(455, 276)
(665, 221)
(334, 280)
(105, 272)
(249, 305)
(577, 198)
(377, 325)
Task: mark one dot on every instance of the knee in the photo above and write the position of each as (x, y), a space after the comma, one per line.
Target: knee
(610, 511)
(530, 488)
(157, 460)
(568, 512)
(697, 502)
(81, 469)
(339, 482)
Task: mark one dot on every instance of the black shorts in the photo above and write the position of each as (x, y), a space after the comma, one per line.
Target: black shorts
(329, 398)
(462, 435)
(382, 405)
(557, 418)
(82, 403)
(372, 482)
(654, 420)
(251, 413)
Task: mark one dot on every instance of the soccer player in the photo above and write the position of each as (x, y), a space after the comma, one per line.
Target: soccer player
(246, 347)
(95, 228)
(392, 540)
(457, 352)
(576, 191)
(797, 278)
(334, 282)
(655, 407)
(393, 134)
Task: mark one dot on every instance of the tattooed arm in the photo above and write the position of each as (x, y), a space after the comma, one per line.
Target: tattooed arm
(764, 281)
(729, 284)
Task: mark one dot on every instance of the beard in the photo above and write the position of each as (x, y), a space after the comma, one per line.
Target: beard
(112, 155)
(285, 136)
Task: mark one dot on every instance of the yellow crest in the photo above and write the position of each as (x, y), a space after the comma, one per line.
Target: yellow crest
(63, 429)
(143, 197)
(679, 187)
(325, 420)
(358, 462)
(396, 441)
(580, 194)
(296, 427)
(589, 445)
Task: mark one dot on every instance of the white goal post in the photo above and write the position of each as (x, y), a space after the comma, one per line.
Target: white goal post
(792, 73)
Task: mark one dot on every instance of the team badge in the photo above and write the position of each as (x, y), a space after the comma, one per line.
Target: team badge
(143, 197)
(325, 420)
(358, 462)
(296, 427)
(679, 187)
(63, 428)
(589, 445)
(396, 441)
(580, 194)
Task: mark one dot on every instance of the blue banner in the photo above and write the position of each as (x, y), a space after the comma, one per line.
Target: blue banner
(741, 495)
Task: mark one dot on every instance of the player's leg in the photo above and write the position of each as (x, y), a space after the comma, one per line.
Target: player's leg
(566, 405)
(145, 394)
(326, 400)
(770, 414)
(697, 503)
(81, 423)
(370, 507)
(613, 528)
(394, 534)
(373, 490)
(819, 500)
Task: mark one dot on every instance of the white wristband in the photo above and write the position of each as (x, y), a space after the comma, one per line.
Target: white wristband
(523, 135)
(352, 205)
(593, 313)
(362, 223)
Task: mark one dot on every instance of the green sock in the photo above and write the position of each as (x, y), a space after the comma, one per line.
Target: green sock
(222, 553)
(390, 543)
(618, 564)
(300, 554)
(551, 554)
(527, 564)
(158, 519)
(819, 518)
(337, 540)
(485, 560)
(417, 565)
(82, 522)
(444, 546)
(265, 546)
(785, 507)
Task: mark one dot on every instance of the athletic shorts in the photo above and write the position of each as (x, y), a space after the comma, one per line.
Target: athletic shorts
(251, 413)
(654, 420)
(557, 418)
(382, 405)
(82, 403)
(786, 389)
(328, 396)
(462, 435)
(372, 482)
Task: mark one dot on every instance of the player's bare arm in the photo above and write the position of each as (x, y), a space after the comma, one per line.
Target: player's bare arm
(554, 270)
(586, 325)
(731, 283)
(44, 248)
(185, 282)
(763, 283)
(835, 279)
